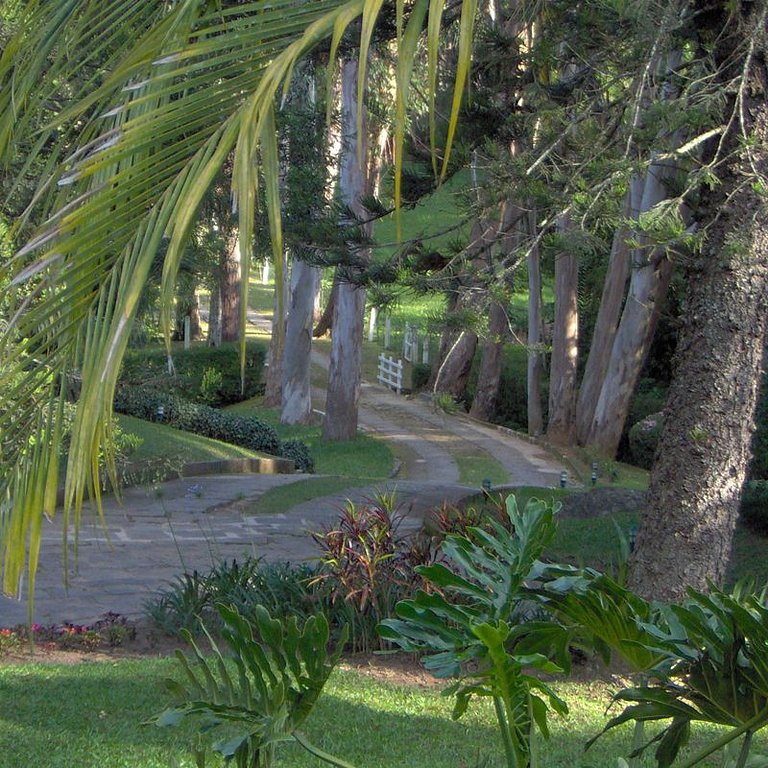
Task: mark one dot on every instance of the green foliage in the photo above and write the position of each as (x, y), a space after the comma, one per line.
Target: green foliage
(209, 375)
(366, 566)
(299, 452)
(282, 588)
(703, 661)
(420, 374)
(469, 625)
(245, 431)
(643, 439)
(210, 386)
(279, 673)
(754, 506)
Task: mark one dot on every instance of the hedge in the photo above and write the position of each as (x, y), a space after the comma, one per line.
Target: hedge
(245, 431)
(209, 375)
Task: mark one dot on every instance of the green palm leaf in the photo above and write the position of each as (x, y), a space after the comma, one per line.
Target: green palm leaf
(151, 98)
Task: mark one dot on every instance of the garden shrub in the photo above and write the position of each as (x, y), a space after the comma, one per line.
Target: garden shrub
(299, 452)
(282, 588)
(245, 431)
(203, 374)
(420, 374)
(754, 506)
(643, 439)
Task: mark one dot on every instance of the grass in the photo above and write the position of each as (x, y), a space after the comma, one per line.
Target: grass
(364, 457)
(160, 442)
(473, 469)
(595, 541)
(90, 715)
(282, 498)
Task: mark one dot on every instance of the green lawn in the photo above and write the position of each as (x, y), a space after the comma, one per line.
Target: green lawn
(162, 442)
(90, 715)
(364, 457)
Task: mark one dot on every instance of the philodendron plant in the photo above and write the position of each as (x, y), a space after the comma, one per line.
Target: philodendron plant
(702, 661)
(277, 674)
(470, 625)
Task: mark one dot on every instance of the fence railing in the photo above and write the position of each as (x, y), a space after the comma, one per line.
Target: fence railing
(391, 372)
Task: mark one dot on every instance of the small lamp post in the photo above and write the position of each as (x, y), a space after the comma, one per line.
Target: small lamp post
(563, 479)
(594, 473)
(160, 412)
(632, 538)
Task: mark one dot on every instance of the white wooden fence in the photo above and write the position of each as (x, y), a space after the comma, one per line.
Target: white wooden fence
(391, 372)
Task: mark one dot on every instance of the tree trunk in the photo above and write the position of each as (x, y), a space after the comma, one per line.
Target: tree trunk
(608, 317)
(565, 353)
(651, 273)
(687, 529)
(453, 373)
(341, 405)
(534, 342)
(274, 379)
(214, 316)
(325, 323)
(229, 286)
(489, 377)
(297, 388)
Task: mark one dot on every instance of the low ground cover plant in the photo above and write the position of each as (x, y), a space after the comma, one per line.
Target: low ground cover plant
(111, 631)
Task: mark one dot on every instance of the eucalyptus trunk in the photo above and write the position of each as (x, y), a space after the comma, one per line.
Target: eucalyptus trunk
(453, 373)
(651, 272)
(686, 534)
(325, 322)
(565, 352)
(608, 317)
(274, 378)
(296, 407)
(489, 377)
(341, 408)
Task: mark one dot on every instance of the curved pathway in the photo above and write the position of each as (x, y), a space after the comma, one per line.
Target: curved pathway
(192, 523)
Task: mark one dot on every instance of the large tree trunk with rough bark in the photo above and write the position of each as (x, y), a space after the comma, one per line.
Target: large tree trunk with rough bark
(489, 376)
(687, 529)
(297, 362)
(565, 348)
(229, 290)
(343, 395)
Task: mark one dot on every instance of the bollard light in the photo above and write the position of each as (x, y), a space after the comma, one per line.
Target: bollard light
(632, 537)
(594, 473)
(160, 412)
(563, 479)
